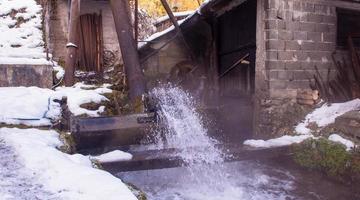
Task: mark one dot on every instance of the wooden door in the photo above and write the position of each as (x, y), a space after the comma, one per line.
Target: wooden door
(91, 43)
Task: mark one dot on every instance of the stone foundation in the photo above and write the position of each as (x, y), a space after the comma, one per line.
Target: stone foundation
(26, 75)
(279, 117)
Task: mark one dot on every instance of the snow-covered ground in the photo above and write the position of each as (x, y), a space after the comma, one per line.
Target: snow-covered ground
(33, 168)
(21, 39)
(322, 117)
(35, 106)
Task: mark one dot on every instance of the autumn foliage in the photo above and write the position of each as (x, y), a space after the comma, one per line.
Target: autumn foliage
(155, 8)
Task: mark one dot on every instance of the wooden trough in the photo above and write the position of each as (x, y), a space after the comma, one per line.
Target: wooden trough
(169, 158)
(106, 132)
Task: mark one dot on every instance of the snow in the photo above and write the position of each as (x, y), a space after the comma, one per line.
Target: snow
(31, 103)
(337, 138)
(21, 44)
(113, 156)
(80, 94)
(35, 106)
(326, 115)
(176, 14)
(60, 72)
(16, 182)
(63, 176)
(277, 142)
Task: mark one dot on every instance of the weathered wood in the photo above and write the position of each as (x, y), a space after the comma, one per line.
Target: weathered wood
(136, 20)
(128, 47)
(71, 55)
(240, 61)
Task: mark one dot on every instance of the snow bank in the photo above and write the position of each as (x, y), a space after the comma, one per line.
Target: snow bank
(326, 115)
(21, 43)
(66, 176)
(34, 106)
(277, 142)
(113, 156)
(337, 138)
(31, 106)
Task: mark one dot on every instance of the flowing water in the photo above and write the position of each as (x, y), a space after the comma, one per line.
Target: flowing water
(205, 175)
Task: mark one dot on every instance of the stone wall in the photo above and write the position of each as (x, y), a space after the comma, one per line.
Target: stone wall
(58, 29)
(26, 75)
(299, 35)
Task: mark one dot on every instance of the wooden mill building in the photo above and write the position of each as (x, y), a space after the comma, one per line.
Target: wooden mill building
(262, 52)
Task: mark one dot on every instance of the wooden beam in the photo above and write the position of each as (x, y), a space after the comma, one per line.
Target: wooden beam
(72, 46)
(128, 47)
(171, 15)
(136, 21)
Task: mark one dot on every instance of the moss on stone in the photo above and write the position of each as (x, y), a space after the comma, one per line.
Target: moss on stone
(330, 158)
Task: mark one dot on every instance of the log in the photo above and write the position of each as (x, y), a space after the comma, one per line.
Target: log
(128, 47)
(71, 55)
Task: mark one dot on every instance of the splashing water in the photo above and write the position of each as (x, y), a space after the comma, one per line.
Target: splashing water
(184, 127)
(185, 131)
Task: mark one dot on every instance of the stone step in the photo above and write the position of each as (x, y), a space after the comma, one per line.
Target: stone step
(26, 75)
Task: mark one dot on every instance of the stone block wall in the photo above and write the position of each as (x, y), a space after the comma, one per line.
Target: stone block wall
(299, 35)
(26, 75)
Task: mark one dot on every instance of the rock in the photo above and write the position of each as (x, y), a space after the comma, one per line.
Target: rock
(349, 123)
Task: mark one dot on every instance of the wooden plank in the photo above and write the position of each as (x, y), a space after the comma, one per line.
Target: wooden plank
(79, 125)
(167, 158)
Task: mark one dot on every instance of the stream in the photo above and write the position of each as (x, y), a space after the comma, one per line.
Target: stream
(206, 176)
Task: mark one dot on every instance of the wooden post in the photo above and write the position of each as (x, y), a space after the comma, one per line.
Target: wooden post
(128, 47)
(136, 21)
(178, 29)
(171, 15)
(71, 55)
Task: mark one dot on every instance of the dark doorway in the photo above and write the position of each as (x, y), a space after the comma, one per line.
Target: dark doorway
(237, 40)
(91, 43)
